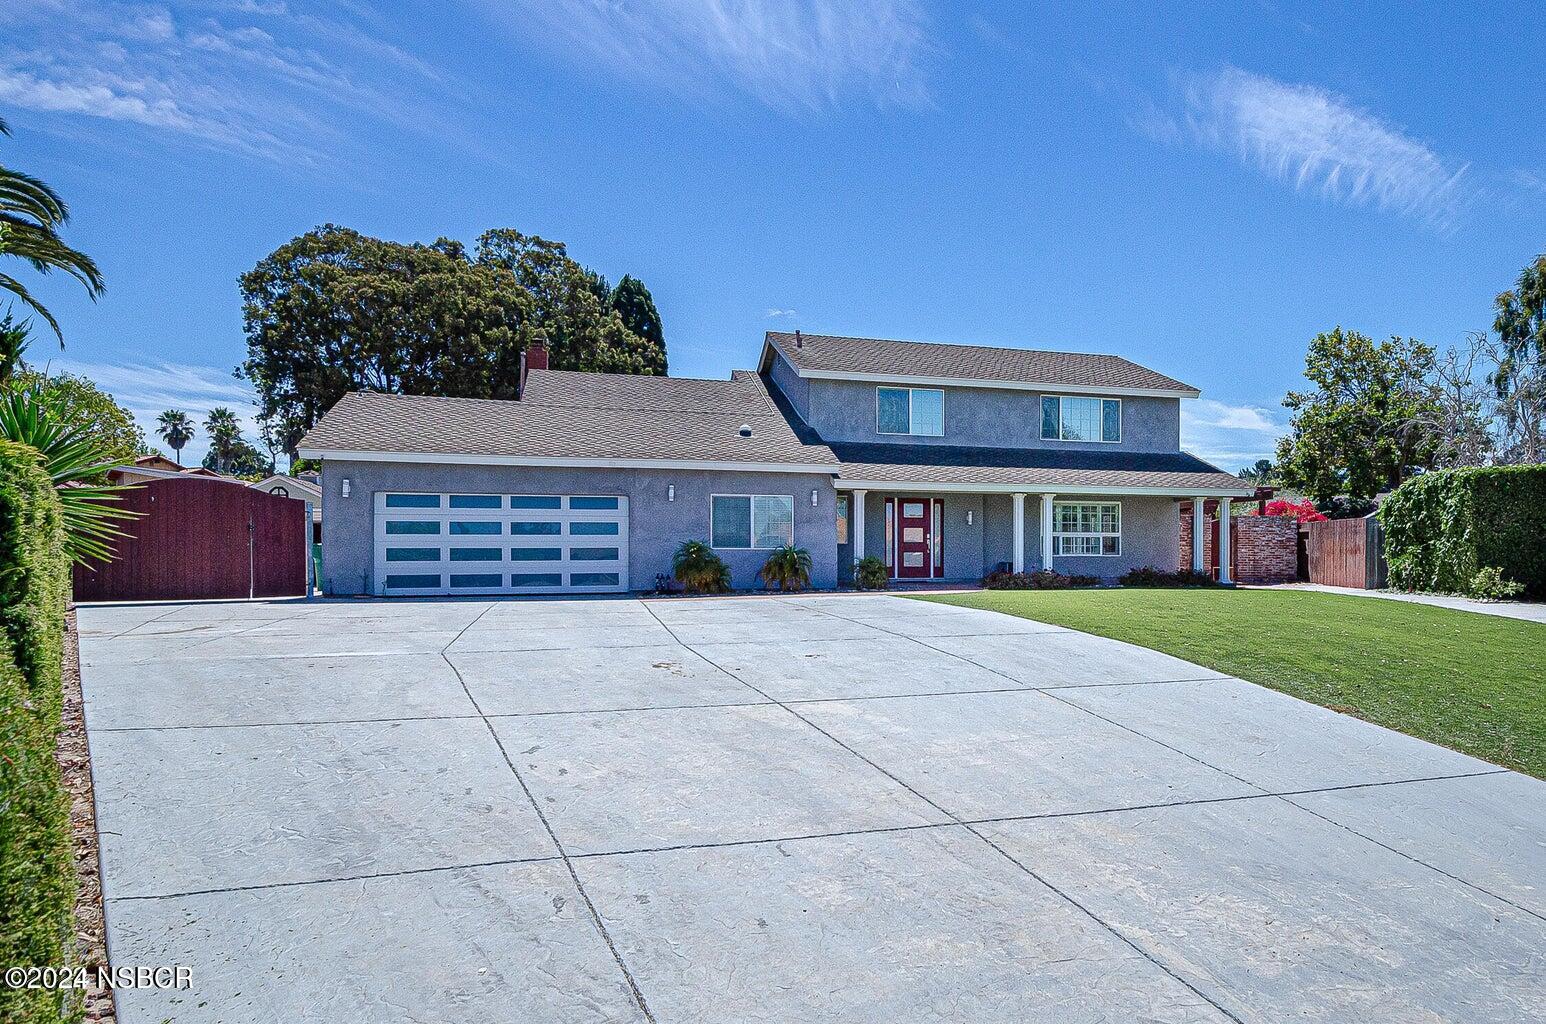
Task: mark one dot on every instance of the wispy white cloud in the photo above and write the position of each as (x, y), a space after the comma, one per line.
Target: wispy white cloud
(788, 53)
(1229, 435)
(775, 314)
(1319, 142)
(246, 77)
(149, 389)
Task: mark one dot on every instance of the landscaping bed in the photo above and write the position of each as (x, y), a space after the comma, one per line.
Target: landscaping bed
(1475, 683)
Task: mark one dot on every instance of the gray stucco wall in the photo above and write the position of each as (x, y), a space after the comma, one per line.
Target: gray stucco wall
(841, 410)
(656, 526)
(793, 386)
(1150, 534)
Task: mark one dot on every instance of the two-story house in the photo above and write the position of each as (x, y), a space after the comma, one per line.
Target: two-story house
(944, 461)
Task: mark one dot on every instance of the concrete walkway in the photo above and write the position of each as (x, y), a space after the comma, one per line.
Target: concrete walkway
(1526, 610)
(775, 811)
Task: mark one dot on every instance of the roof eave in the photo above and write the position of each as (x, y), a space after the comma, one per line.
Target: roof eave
(1045, 387)
(952, 487)
(468, 459)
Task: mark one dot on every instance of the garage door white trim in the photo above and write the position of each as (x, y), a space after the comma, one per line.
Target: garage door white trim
(429, 543)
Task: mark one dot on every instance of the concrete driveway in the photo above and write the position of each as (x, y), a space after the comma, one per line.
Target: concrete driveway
(842, 808)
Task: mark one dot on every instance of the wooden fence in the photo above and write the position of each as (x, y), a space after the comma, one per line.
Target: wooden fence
(202, 538)
(1346, 553)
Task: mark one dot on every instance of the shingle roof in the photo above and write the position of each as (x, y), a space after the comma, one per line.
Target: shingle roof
(874, 356)
(569, 415)
(959, 464)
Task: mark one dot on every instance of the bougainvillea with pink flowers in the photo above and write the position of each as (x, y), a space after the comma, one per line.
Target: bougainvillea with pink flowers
(1303, 510)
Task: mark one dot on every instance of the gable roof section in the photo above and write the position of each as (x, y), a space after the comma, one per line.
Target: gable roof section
(575, 419)
(911, 362)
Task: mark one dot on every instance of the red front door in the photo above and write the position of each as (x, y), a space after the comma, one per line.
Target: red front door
(914, 539)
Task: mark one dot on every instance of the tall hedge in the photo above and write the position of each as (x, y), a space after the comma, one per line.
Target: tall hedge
(1440, 528)
(37, 868)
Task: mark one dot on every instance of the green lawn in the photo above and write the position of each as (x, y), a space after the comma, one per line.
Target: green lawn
(1476, 683)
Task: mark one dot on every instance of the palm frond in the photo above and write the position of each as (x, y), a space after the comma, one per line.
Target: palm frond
(44, 250)
(73, 460)
(16, 288)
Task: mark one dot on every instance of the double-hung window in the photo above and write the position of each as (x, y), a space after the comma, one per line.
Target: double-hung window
(1065, 418)
(1087, 528)
(919, 411)
(751, 520)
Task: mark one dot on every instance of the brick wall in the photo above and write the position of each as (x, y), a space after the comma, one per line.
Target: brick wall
(1266, 547)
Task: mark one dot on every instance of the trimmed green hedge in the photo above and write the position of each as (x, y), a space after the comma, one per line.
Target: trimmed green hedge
(1442, 528)
(37, 865)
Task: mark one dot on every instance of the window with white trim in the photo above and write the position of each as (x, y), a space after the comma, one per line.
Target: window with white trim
(751, 520)
(1087, 528)
(919, 411)
(1066, 418)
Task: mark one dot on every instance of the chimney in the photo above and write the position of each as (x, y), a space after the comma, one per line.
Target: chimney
(798, 341)
(535, 357)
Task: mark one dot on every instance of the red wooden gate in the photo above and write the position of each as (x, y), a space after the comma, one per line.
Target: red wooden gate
(202, 538)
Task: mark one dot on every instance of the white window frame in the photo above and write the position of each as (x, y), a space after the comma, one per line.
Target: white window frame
(909, 432)
(751, 520)
(1059, 537)
(1041, 423)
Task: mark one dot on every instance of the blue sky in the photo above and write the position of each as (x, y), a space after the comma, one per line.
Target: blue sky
(1200, 189)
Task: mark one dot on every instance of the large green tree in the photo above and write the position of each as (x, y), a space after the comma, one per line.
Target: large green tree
(333, 311)
(31, 215)
(1519, 379)
(239, 457)
(1362, 429)
(636, 308)
(82, 408)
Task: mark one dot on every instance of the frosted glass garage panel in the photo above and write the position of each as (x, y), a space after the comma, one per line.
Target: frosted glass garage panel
(515, 543)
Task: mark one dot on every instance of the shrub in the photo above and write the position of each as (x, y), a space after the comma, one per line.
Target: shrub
(870, 574)
(1344, 507)
(1303, 511)
(788, 567)
(698, 569)
(1044, 579)
(1442, 528)
(37, 868)
(1490, 585)
(1149, 576)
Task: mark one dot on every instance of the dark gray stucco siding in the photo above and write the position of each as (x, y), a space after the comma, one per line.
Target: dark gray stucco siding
(842, 410)
(656, 526)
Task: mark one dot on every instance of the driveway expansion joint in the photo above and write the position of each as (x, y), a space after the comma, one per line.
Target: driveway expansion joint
(574, 876)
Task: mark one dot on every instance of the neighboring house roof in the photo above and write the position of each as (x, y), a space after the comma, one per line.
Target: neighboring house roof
(290, 483)
(1006, 468)
(137, 473)
(153, 461)
(571, 418)
(875, 359)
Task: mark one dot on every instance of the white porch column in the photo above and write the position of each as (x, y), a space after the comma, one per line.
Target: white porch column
(858, 524)
(1224, 540)
(1019, 505)
(1199, 525)
(1046, 531)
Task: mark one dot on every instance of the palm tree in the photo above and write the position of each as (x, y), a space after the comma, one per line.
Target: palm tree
(224, 433)
(176, 429)
(30, 216)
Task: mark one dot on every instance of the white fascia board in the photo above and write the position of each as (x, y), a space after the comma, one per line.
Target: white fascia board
(1009, 385)
(845, 484)
(458, 459)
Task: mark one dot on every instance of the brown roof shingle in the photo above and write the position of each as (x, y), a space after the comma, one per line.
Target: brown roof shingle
(569, 415)
(875, 356)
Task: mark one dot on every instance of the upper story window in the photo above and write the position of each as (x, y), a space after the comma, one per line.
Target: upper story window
(1065, 418)
(910, 411)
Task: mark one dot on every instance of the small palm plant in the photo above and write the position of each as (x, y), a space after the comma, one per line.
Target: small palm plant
(698, 569)
(75, 460)
(870, 573)
(176, 429)
(788, 567)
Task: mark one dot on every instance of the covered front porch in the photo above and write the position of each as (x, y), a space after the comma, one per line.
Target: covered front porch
(936, 532)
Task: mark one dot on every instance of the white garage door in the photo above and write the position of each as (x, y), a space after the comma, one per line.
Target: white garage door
(501, 543)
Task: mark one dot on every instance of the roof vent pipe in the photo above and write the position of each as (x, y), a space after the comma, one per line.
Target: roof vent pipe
(799, 342)
(746, 430)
